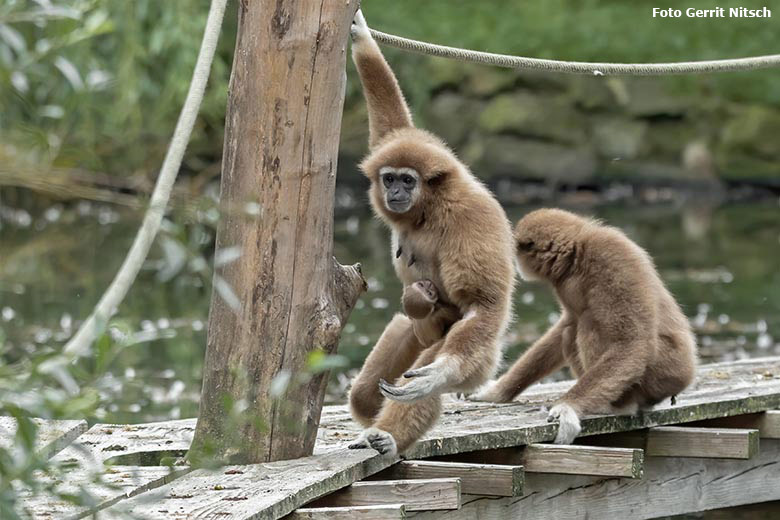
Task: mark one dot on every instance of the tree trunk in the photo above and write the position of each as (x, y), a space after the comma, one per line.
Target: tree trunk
(278, 180)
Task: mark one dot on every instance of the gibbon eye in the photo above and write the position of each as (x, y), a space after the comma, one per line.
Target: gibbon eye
(387, 180)
(408, 180)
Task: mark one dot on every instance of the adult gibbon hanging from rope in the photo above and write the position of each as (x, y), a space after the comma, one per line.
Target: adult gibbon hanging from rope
(447, 229)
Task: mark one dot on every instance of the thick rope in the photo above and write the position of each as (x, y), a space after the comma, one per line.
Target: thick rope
(80, 343)
(578, 67)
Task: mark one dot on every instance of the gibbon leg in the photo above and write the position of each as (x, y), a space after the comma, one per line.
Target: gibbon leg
(396, 351)
(543, 358)
(399, 425)
(611, 377)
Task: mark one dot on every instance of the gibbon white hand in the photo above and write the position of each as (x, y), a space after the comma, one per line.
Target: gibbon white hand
(425, 381)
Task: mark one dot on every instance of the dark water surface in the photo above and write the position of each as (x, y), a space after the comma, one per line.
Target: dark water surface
(721, 263)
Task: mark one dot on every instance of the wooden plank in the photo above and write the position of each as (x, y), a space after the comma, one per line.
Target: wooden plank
(383, 512)
(767, 423)
(583, 460)
(675, 441)
(114, 484)
(685, 441)
(52, 436)
(257, 492)
(475, 479)
(417, 495)
(107, 441)
(723, 389)
(671, 486)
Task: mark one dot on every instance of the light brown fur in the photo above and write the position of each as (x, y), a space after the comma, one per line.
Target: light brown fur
(621, 331)
(431, 318)
(455, 235)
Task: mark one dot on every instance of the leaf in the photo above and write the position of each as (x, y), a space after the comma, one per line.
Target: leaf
(226, 292)
(70, 72)
(13, 38)
(227, 255)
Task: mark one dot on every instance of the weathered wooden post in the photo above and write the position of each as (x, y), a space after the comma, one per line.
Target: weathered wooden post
(281, 141)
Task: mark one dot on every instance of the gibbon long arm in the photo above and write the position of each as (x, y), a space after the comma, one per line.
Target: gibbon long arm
(387, 108)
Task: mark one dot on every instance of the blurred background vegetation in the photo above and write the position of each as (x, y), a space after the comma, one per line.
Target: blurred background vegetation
(89, 95)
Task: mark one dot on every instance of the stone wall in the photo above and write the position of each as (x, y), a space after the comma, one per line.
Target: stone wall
(579, 130)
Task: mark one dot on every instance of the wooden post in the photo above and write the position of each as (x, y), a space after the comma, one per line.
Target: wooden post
(278, 179)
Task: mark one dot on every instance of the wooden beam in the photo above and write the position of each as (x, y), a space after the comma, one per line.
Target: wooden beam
(475, 479)
(767, 423)
(383, 512)
(684, 441)
(417, 495)
(676, 441)
(670, 486)
(583, 460)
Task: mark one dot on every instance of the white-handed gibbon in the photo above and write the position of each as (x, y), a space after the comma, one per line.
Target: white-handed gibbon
(447, 229)
(621, 332)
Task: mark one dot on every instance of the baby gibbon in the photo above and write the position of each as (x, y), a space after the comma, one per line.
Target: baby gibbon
(431, 318)
(621, 332)
(447, 230)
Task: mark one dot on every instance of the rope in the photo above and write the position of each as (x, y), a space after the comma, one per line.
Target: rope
(80, 343)
(578, 67)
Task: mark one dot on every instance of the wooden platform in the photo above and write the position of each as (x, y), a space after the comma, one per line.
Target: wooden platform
(481, 461)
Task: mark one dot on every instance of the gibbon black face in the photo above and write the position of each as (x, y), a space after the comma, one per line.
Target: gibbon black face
(400, 188)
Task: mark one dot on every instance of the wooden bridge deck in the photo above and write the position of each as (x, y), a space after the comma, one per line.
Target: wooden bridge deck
(481, 444)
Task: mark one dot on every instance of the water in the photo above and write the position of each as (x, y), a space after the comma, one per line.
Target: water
(720, 261)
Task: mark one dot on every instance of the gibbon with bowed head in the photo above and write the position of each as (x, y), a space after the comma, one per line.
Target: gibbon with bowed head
(448, 231)
(621, 332)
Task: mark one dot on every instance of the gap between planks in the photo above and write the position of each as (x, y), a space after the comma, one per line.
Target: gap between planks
(416, 495)
(380, 512)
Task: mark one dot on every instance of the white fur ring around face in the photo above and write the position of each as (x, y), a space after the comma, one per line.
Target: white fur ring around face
(568, 423)
(376, 439)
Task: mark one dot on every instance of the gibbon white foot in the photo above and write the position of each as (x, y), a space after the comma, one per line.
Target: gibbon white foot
(376, 439)
(568, 423)
(487, 393)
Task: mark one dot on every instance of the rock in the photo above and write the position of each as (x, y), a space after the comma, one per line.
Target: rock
(666, 139)
(735, 166)
(533, 115)
(443, 73)
(754, 129)
(616, 137)
(452, 116)
(521, 159)
(484, 81)
(592, 93)
(647, 97)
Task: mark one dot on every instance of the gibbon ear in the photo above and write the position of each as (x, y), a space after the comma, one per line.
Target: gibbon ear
(437, 178)
(525, 245)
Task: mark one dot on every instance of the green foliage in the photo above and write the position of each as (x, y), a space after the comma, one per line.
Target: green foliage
(97, 84)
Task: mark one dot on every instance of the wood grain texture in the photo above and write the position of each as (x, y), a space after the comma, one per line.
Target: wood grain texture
(583, 460)
(670, 486)
(257, 491)
(109, 487)
(475, 479)
(281, 145)
(726, 389)
(416, 495)
(383, 512)
(767, 423)
(51, 437)
(674, 441)
(103, 442)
